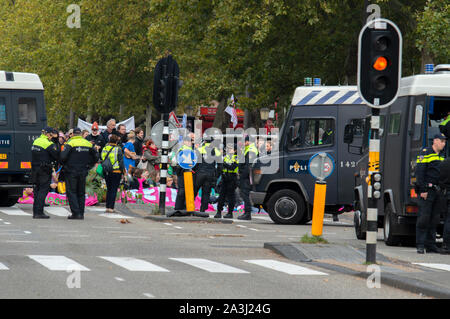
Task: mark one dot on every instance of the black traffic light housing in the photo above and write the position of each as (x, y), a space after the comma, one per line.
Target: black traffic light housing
(379, 62)
(166, 84)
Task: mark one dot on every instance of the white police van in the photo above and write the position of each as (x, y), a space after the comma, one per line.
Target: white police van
(22, 117)
(315, 123)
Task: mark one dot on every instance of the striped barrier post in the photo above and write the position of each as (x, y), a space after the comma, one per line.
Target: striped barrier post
(164, 161)
(373, 187)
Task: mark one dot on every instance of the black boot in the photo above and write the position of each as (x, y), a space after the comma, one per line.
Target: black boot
(218, 214)
(245, 216)
(229, 215)
(75, 216)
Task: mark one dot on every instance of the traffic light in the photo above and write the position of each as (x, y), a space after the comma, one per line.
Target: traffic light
(166, 84)
(379, 62)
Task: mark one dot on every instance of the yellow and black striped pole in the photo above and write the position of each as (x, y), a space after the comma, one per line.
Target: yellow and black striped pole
(373, 187)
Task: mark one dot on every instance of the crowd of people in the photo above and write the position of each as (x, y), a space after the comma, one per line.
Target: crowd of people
(61, 162)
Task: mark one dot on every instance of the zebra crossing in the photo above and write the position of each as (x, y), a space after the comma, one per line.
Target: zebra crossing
(132, 264)
(60, 212)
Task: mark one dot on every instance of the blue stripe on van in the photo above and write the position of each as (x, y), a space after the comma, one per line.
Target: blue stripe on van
(345, 97)
(328, 96)
(307, 98)
(358, 101)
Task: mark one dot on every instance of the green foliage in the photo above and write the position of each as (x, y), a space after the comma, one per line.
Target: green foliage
(258, 50)
(95, 186)
(433, 30)
(306, 239)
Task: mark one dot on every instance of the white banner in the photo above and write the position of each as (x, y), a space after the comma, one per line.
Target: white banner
(129, 124)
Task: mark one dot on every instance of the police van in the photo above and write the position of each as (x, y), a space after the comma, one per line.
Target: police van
(408, 126)
(22, 117)
(315, 123)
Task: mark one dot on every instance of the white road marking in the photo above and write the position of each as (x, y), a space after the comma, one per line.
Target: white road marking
(119, 279)
(210, 266)
(263, 218)
(58, 263)
(3, 267)
(13, 211)
(22, 241)
(110, 215)
(290, 269)
(434, 266)
(133, 264)
(168, 224)
(148, 295)
(6, 223)
(57, 211)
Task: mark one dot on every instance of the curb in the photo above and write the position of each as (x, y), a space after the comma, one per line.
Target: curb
(393, 280)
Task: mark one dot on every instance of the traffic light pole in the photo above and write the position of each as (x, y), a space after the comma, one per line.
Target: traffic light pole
(164, 161)
(373, 193)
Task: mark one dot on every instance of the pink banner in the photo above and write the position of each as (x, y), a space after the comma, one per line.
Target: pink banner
(56, 199)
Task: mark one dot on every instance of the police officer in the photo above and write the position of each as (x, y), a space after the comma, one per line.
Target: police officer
(250, 154)
(444, 183)
(205, 172)
(427, 173)
(229, 182)
(43, 153)
(78, 157)
(180, 202)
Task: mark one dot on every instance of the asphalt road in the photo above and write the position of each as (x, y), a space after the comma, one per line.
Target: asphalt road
(101, 257)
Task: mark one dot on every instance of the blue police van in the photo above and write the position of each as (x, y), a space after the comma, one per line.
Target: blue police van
(316, 122)
(407, 127)
(22, 118)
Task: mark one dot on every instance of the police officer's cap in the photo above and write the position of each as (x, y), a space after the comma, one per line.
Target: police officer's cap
(440, 136)
(48, 130)
(77, 130)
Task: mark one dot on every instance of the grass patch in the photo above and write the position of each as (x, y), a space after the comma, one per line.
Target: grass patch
(306, 239)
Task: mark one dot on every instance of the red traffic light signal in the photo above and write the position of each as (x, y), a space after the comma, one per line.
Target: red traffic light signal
(379, 62)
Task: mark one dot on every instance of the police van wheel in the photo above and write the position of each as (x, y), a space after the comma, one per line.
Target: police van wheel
(286, 207)
(389, 224)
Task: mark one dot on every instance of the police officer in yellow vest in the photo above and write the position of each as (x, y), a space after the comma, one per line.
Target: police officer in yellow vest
(43, 153)
(180, 202)
(229, 182)
(205, 171)
(78, 157)
(430, 201)
(245, 166)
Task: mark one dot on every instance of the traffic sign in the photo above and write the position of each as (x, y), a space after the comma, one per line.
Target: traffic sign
(157, 134)
(321, 166)
(379, 63)
(187, 159)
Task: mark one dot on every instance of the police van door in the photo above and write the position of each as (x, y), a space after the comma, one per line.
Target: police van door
(311, 135)
(29, 120)
(6, 131)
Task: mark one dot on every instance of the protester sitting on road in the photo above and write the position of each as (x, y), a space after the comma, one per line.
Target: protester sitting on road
(153, 180)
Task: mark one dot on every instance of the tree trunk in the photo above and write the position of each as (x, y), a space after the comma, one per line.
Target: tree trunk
(221, 119)
(148, 122)
(426, 59)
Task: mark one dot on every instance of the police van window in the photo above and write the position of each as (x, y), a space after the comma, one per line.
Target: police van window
(394, 123)
(27, 110)
(2, 111)
(312, 133)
